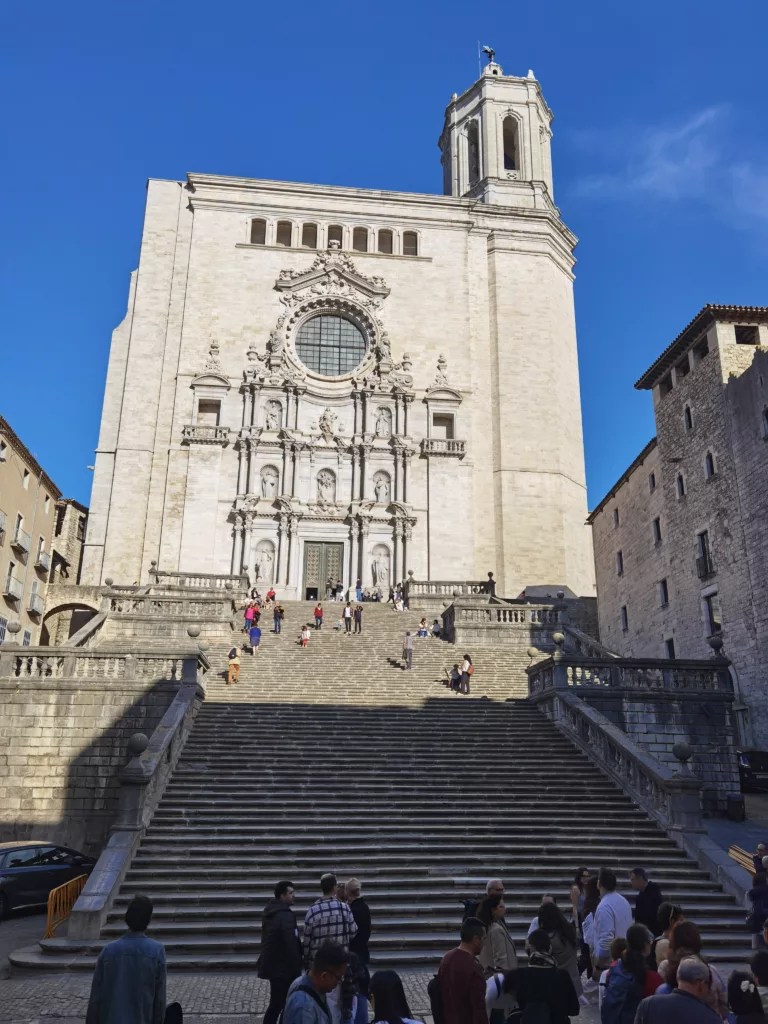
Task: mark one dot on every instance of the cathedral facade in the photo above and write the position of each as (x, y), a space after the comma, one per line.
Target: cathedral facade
(322, 382)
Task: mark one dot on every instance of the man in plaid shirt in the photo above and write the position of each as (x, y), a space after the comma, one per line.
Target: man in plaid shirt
(327, 918)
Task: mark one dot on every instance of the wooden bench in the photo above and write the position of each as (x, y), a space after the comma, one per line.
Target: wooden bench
(742, 858)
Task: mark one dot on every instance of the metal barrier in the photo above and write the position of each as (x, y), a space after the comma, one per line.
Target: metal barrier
(61, 900)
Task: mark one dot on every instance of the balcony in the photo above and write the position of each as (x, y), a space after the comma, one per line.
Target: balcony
(21, 540)
(43, 561)
(14, 588)
(444, 446)
(705, 566)
(204, 433)
(35, 604)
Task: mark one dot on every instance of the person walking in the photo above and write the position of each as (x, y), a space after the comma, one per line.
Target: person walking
(688, 1004)
(339, 590)
(629, 980)
(318, 613)
(647, 901)
(305, 634)
(254, 637)
(388, 999)
(129, 981)
(249, 609)
(359, 619)
(359, 945)
(498, 953)
(543, 990)
(408, 651)
(391, 596)
(460, 981)
(328, 919)
(233, 667)
(466, 668)
(348, 617)
(612, 919)
(277, 617)
(309, 999)
(280, 959)
(757, 903)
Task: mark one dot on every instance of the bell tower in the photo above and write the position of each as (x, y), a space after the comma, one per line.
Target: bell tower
(496, 140)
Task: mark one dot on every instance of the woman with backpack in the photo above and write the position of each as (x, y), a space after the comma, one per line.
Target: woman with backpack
(544, 991)
(564, 945)
(388, 1000)
(630, 980)
(466, 670)
(757, 902)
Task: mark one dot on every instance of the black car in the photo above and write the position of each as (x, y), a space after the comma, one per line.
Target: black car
(28, 872)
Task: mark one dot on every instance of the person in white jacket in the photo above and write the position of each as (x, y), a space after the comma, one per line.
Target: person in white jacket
(612, 919)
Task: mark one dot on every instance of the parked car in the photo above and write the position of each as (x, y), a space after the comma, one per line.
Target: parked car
(29, 870)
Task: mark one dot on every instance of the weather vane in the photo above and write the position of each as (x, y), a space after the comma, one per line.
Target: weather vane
(491, 53)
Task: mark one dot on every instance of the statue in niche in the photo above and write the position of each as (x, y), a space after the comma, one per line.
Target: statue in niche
(328, 423)
(276, 344)
(380, 567)
(274, 416)
(265, 562)
(326, 487)
(384, 422)
(383, 348)
(269, 482)
(381, 488)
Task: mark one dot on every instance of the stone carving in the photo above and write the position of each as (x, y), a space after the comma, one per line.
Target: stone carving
(381, 487)
(442, 366)
(326, 487)
(212, 364)
(274, 415)
(328, 424)
(269, 482)
(383, 347)
(264, 565)
(275, 347)
(380, 566)
(384, 422)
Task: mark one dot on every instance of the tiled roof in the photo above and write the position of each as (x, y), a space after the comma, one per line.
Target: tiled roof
(701, 322)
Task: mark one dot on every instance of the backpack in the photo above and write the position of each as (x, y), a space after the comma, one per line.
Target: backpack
(536, 1013)
(470, 670)
(622, 995)
(436, 1000)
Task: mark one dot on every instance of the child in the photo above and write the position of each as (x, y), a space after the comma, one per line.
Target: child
(617, 948)
(436, 629)
(254, 634)
(340, 624)
(305, 636)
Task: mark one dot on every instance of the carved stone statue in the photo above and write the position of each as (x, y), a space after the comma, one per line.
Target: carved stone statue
(328, 423)
(384, 423)
(269, 482)
(276, 343)
(381, 489)
(326, 487)
(265, 561)
(274, 415)
(383, 349)
(380, 568)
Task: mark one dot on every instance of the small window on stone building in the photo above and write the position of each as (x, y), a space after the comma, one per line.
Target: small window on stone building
(511, 158)
(208, 412)
(80, 528)
(680, 486)
(26, 642)
(410, 243)
(47, 505)
(624, 618)
(619, 563)
(615, 517)
(335, 234)
(3, 451)
(666, 385)
(309, 236)
(683, 368)
(3, 628)
(663, 593)
(258, 232)
(709, 465)
(386, 241)
(442, 425)
(688, 418)
(701, 350)
(284, 235)
(59, 526)
(714, 614)
(360, 239)
(651, 481)
(669, 647)
(657, 531)
(747, 334)
(25, 480)
(473, 152)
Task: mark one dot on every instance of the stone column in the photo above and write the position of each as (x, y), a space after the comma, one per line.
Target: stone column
(407, 456)
(407, 399)
(407, 538)
(294, 472)
(297, 393)
(396, 486)
(255, 393)
(356, 406)
(247, 404)
(250, 483)
(248, 541)
(241, 464)
(293, 557)
(284, 489)
(365, 570)
(355, 472)
(396, 559)
(364, 468)
(354, 558)
(364, 424)
(237, 554)
(282, 557)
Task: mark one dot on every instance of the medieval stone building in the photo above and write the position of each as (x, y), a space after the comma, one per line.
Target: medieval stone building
(316, 382)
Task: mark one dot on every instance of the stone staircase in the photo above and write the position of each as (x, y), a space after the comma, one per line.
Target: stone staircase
(333, 758)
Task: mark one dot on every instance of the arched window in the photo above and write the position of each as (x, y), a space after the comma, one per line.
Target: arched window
(688, 418)
(386, 241)
(511, 155)
(335, 234)
(309, 236)
(258, 232)
(410, 243)
(709, 464)
(360, 239)
(473, 152)
(284, 233)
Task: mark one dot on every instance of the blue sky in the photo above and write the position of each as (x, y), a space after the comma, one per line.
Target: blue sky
(659, 156)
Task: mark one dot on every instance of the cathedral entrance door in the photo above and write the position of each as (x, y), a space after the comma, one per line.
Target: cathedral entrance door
(321, 562)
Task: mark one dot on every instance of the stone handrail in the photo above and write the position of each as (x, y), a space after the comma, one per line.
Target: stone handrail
(35, 663)
(563, 671)
(444, 446)
(577, 642)
(204, 433)
(85, 636)
(217, 606)
(672, 797)
(142, 783)
(524, 614)
(443, 588)
(200, 580)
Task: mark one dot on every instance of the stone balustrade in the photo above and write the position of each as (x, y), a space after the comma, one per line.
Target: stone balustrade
(571, 670)
(204, 433)
(35, 663)
(171, 606)
(444, 446)
(200, 580)
(579, 643)
(519, 624)
(443, 588)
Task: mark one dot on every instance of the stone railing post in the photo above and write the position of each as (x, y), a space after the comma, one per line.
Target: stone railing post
(559, 668)
(684, 790)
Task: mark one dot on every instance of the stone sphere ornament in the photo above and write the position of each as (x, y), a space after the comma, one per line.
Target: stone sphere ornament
(14, 627)
(532, 652)
(137, 744)
(716, 643)
(682, 751)
(559, 639)
(108, 581)
(193, 631)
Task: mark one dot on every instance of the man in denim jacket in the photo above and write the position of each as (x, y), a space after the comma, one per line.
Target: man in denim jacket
(129, 983)
(307, 997)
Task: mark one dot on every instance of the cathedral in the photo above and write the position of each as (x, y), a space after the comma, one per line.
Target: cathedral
(317, 382)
